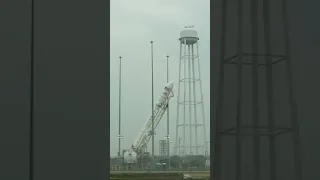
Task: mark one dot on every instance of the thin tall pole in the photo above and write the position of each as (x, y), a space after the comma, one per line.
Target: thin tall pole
(179, 146)
(239, 103)
(202, 104)
(294, 116)
(270, 95)
(31, 113)
(190, 101)
(168, 127)
(178, 105)
(255, 90)
(152, 99)
(184, 96)
(195, 101)
(119, 137)
(220, 106)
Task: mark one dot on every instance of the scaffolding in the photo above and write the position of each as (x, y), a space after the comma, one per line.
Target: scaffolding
(257, 62)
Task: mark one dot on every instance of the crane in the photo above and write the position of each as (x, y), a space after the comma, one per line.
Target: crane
(141, 142)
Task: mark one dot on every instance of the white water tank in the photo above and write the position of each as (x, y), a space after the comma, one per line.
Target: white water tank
(189, 36)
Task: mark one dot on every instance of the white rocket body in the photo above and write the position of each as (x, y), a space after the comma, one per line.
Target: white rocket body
(146, 132)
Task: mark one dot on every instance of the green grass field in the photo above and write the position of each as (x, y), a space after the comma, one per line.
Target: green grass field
(159, 175)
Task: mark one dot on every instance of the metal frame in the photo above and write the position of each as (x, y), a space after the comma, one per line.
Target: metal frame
(189, 75)
(250, 59)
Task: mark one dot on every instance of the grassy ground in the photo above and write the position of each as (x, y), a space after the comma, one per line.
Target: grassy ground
(136, 175)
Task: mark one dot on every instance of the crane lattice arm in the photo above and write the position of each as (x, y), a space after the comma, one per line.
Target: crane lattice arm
(145, 134)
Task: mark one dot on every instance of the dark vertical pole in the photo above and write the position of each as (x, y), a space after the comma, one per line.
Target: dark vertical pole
(255, 91)
(168, 127)
(294, 112)
(152, 99)
(179, 146)
(269, 80)
(119, 137)
(220, 109)
(178, 103)
(31, 135)
(239, 103)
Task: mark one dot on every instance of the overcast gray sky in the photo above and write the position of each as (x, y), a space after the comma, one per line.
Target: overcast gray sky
(133, 24)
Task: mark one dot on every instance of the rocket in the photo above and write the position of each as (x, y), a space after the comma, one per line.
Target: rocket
(161, 105)
(164, 96)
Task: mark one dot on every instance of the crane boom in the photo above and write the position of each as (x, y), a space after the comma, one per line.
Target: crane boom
(161, 107)
(130, 156)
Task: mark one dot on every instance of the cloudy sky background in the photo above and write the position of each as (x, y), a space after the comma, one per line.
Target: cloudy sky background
(134, 23)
